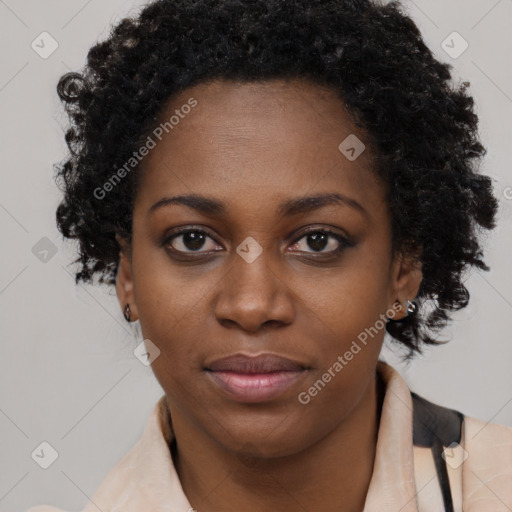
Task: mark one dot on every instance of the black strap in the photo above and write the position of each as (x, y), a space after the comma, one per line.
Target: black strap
(435, 426)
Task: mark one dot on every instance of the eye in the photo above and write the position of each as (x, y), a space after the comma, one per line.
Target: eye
(190, 241)
(195, 241)
(320, 239)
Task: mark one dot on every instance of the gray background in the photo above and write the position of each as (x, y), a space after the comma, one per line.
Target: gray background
(68, 375)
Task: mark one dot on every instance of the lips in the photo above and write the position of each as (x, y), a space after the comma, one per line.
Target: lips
(263, 363)
(254, 378)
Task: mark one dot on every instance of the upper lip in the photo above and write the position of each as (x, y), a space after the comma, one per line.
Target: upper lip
(262, 363)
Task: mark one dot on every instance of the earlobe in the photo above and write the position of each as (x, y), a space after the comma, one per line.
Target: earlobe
(124, 283)
(407, 278)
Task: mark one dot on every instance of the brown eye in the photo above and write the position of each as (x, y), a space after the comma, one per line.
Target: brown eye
(191, 241)
(319, 240)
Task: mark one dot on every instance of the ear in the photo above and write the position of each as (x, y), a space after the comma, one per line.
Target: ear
(124, 279)
(406, 279)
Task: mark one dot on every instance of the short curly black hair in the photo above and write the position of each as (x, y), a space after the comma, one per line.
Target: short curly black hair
(422, 128)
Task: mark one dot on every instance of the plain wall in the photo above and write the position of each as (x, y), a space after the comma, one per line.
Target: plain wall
(67, 372)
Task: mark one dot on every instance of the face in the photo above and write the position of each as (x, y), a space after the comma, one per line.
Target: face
(249, 267)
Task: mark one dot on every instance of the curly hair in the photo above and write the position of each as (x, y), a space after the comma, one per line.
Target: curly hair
(422, 128)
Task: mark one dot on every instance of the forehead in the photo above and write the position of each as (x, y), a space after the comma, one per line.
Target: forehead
(264, 140)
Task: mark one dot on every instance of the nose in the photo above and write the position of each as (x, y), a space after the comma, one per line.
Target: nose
(253, 296)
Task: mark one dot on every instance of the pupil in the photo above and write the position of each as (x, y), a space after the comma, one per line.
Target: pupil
(193, 240)
(319, 241)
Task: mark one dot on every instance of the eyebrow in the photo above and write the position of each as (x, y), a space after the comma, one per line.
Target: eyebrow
(288, 208)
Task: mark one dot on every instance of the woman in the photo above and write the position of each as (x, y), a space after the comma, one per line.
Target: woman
(271, 186)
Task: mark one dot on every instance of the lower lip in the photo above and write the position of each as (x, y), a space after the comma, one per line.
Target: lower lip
(255, 387)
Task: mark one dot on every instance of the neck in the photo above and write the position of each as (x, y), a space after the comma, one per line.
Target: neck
(334, 472)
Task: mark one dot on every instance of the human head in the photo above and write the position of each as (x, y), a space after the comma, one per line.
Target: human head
(420, 130)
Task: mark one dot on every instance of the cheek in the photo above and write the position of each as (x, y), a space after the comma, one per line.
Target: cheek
(168, 304)
(348, 301)
(351, 313)
(353, 324)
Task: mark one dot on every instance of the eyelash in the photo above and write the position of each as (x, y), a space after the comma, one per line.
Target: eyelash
(343, 242)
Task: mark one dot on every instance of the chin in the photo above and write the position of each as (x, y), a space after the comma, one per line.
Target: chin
(266, 439)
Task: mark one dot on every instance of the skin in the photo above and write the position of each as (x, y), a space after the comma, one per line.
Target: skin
(252, 146)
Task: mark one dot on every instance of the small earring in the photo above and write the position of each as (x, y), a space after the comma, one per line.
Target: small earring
(127, 313)
(411, 308)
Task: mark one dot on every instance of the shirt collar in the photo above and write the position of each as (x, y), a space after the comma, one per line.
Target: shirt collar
(392, 486)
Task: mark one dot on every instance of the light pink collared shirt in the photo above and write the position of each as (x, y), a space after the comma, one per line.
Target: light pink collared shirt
(404, 478)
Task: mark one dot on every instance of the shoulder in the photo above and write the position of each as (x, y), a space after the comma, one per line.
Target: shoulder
(117, 484)
(480, 432)
(483, 452)
(489, 462)
(147, 464)
(483, 439)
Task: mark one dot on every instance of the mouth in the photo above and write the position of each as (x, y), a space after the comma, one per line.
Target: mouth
(253, 379)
